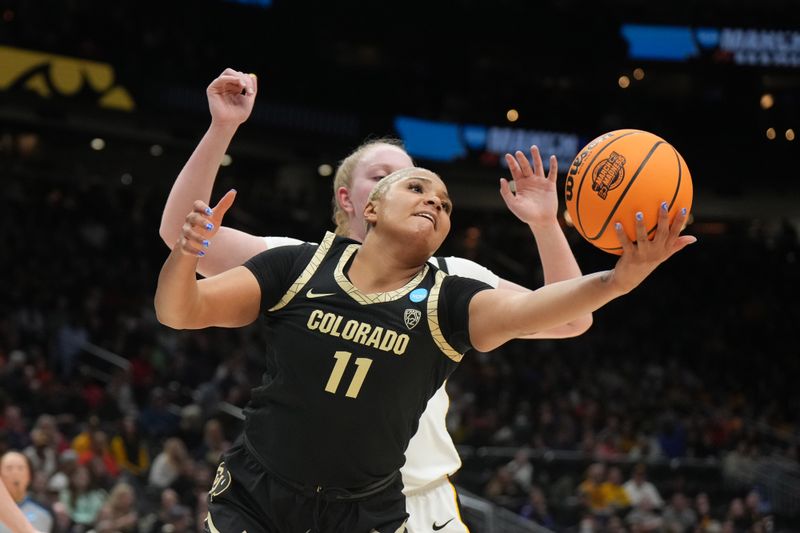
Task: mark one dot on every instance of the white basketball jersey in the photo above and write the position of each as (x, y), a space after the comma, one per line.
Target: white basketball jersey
(431, 454)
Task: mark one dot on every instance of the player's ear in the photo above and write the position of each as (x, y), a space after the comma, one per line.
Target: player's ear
(344, 201)
(371, 212)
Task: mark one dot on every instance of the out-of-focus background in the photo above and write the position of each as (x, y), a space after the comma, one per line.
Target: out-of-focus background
(691, 380)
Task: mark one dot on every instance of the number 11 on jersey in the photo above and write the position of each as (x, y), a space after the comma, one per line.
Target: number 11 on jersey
(342, 358)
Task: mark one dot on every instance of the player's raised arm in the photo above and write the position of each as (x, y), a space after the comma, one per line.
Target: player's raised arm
(230, 299)
(535, 202)
(230, 99)
(498, 316)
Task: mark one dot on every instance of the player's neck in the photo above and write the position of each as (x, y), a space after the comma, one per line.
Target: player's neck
(378, 268)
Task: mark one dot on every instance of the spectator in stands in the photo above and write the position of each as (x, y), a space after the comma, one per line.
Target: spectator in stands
(13, 426)
(172, 463)
(590, 491)
(644, 517)
(15, 473)
(503, 490)
(98, 456)
(41, 453)
(157, 420)
(214, 443)
(160, 517)
(521, 469)
(613, 492)
(678, 515)
(706, 523)
(119, 513)
(67, 462)
(82, 442)
(130, 449)
(536, 509)
(640, 490)
(83, 498)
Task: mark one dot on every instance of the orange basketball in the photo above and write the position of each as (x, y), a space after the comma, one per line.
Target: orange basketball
(618, 174)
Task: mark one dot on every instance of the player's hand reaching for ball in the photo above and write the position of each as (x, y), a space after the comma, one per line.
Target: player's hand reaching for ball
(640, 258)
(231, 97)
(534, 199)
(202, 224)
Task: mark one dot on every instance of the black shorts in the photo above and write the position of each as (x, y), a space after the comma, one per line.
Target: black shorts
(245, 497)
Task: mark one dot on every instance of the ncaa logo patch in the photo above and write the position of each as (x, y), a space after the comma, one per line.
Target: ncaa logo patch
(417, 295)
(222, 481)
(411, 317)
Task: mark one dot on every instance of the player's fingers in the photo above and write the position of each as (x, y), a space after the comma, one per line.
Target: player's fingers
(552, 173)
(223, 205)
(624, 241)
(513, 166)
(227, 84)
(524, 164)
(536, 157)
(193, 242)
(641, 228)
(662, 230)
(678, 223)
(254, 80)
(505, 191)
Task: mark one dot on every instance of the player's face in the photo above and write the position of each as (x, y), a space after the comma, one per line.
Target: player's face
(420, 206)
(378, 162)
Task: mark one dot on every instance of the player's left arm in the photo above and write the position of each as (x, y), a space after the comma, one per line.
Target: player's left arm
(535, 202)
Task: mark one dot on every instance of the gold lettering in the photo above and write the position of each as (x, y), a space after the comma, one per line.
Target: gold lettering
(361, 335)
(388, 340)
(401, 345)
(335, 328)
(313, 319)
(375, 338)
(349, 329)
(327, 322)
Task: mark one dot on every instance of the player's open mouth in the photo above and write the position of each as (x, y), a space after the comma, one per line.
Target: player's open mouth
(428, 216)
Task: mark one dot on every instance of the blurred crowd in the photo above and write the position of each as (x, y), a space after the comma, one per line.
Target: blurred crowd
(695, 364)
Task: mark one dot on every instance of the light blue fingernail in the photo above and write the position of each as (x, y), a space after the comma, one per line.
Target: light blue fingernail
(683, 211)
(201, 253)
(663, 206)
(209, 226)
(208, 211)
(618, 225)
(206, 243)
(639, 216)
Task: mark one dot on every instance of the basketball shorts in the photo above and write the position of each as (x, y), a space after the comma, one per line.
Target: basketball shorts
(435, 507)
(247, 498)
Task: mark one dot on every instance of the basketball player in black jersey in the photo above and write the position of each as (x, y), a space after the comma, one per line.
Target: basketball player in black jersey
(359, 338)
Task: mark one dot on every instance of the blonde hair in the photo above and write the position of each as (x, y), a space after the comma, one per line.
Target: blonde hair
(344, 178)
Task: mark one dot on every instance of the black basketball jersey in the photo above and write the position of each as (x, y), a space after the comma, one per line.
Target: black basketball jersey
(348, 374)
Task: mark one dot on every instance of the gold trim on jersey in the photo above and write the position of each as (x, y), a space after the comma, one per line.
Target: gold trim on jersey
(433, 320)
(374, 298)
(312, 266)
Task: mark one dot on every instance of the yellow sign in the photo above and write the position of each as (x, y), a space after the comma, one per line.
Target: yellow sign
(49, 74)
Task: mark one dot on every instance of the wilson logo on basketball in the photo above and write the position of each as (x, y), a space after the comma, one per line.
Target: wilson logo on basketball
(608, 174)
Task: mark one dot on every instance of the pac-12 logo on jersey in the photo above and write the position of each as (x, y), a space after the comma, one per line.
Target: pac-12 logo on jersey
(411, 317)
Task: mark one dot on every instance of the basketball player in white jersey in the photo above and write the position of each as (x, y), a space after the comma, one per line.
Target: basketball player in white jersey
(431, 456)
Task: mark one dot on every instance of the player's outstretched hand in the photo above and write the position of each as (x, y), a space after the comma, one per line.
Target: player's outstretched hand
(534, 199)
(231, 97)
(640, 258)
(202, 224)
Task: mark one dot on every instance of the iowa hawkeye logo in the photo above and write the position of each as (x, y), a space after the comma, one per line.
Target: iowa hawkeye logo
(608, 174)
